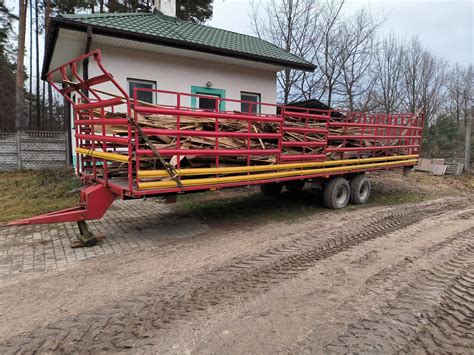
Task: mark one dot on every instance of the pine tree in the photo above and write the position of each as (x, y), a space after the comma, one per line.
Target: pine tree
(197, 11)
(7, 73)
(20, 68)
(50, 92)
(38, 74)
(30, 93)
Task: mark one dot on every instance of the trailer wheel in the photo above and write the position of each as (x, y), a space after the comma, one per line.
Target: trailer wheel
(360, 190)
(271, 189)
(295, 185)
(336, 193)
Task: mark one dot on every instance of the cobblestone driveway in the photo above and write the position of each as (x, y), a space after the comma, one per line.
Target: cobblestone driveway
(127, 225)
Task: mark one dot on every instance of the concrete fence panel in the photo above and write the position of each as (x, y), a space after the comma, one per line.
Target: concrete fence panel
(8, 151)
(32, 150)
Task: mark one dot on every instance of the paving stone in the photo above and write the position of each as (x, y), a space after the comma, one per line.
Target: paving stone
(128, 225)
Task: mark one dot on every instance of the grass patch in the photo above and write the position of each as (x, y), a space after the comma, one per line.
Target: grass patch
(28, 193)
(242, 206)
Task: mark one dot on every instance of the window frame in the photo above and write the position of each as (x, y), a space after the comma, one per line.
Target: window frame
(142, 81)
(257, 95)
(201, 90)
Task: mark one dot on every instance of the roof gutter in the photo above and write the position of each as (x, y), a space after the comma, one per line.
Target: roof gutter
(49, 44)
(59, 22)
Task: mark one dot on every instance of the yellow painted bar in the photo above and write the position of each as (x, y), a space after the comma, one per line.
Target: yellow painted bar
(282, 174)
(249, 169)
(103, 155)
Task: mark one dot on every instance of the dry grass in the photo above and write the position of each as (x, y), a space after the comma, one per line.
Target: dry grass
(28, 193)
(240, 206)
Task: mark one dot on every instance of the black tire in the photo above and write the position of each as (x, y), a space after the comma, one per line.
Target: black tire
(271, 189)
(295, 185)
(360, 190)
(336, 193)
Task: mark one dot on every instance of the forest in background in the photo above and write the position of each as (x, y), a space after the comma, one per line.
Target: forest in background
(27, 102)
(358, 68)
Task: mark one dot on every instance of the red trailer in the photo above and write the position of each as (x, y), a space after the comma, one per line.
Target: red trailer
(386, 141)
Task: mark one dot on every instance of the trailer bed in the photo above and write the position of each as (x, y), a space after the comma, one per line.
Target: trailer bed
(126, 148)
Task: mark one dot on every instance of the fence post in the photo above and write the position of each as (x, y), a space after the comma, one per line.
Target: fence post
(18, 149)
(68, 149)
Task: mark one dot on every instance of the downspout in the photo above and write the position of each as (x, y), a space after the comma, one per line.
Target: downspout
(67, 104)
(85, 63)
(68, 129)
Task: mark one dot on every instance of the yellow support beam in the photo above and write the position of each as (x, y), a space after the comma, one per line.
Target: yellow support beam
(103, 155)
(250, 169)
(282, 174)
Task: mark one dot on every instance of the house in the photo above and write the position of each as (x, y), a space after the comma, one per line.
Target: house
(155, 50)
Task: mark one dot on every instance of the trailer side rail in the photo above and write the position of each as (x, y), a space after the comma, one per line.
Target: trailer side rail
(292, 142)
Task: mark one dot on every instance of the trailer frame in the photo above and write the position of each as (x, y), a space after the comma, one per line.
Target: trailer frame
(397, 136)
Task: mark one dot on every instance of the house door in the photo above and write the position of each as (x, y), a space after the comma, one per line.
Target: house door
(207, 103)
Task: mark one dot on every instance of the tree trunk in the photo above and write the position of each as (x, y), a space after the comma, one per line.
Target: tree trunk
(350, 98)
(50, 108)
(330, 94)
(30, 94)
(38, 93)
(20, 69)
(51, 120)
(45, 121)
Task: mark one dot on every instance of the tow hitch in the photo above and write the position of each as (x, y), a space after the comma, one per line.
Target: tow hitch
(94, 202)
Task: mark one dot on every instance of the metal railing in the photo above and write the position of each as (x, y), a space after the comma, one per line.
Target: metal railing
(111, 151)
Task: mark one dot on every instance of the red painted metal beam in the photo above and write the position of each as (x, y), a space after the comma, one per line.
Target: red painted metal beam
(315, 157)
(375, 125)
(99, 104)
(306, 115)
(303, 144)
(209, 152)
(304, 130)
(85, 84)
(375, 147)
(111, 139)
(106, 121)
(189, 133)
(180, 112)
(95, 200)
(355, 136)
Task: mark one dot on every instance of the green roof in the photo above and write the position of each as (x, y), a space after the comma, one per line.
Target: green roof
(160, 29)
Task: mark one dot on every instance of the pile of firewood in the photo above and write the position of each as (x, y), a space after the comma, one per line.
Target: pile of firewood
(231, 125)
(208, 124)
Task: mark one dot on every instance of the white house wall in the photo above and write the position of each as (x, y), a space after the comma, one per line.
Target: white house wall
(175, 73)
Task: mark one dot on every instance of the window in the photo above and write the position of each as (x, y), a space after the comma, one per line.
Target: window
(142, 95)
(249, 106)
(207, 103)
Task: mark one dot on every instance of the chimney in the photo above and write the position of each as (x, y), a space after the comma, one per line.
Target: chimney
(166, 7)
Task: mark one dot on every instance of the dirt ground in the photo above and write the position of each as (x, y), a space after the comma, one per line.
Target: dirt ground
(394, 276)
